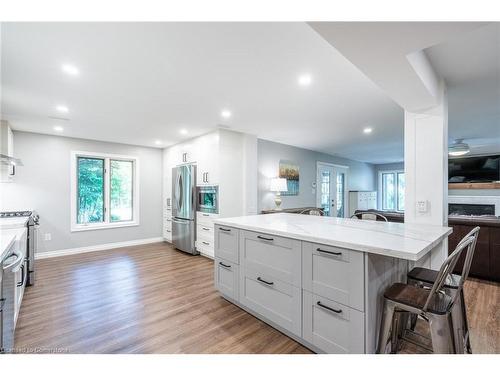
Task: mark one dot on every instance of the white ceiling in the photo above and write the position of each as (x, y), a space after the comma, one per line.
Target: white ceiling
(140, 82)
(470, 65)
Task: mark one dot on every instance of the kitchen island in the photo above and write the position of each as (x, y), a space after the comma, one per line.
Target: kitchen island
(320, 280)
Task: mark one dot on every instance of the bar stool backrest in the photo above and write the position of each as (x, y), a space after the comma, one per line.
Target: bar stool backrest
(474, 234)
(312, 211)
(366, 215)
(446, 269)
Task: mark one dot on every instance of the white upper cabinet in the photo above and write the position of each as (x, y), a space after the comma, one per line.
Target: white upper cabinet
(207, 159)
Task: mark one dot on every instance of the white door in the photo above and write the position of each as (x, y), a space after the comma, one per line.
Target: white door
(331, 188)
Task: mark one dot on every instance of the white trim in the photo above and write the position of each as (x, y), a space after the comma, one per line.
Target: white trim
(107, 224)
(87, 249)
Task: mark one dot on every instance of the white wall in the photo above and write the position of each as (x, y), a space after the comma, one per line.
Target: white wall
(43, 184)
(269, 154)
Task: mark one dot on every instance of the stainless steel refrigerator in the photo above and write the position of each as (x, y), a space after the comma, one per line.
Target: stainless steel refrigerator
(184, 208)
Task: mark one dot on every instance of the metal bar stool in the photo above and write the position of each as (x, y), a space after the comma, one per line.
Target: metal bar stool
(433, 305)
(425, 278)
(312, 211)
(367, 215)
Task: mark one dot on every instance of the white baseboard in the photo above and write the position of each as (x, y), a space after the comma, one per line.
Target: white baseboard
(87, 249)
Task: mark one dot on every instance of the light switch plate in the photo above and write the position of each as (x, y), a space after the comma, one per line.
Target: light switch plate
(48, 237)
(422, 206)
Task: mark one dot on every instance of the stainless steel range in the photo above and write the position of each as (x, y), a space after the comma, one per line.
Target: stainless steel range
(32, 223)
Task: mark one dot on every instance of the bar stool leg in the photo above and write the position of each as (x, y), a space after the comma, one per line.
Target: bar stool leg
(458, 329)
(441, 334)
(465, 322)
(385, 325)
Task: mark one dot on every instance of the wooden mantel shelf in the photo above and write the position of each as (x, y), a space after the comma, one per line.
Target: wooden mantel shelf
(474, 185)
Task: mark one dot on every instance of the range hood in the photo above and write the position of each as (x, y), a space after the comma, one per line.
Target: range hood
(9, 160)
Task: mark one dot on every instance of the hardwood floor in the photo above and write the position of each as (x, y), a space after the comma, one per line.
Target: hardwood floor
(153, 299)
(143, 299)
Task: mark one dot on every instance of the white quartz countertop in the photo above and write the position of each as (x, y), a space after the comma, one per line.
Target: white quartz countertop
(398, 240)
(7, 238)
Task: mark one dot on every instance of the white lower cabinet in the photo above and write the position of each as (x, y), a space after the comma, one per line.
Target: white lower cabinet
(205, 233)
(312, 291)
(226, 243)
(334, 273)
(21, 275)
(331, 326)
(226, 278)
(167, 228)
(274, 299)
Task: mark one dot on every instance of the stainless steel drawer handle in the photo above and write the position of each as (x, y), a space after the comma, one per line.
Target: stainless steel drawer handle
(205, 228)
(169, 231)
(328, 252)
(328, 308)
(205, 215)
(205, 243)
(264, 281)
(225, 230)
(224, 265)
(265, 238)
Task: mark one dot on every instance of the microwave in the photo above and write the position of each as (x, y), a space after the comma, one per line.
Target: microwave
(208, 200)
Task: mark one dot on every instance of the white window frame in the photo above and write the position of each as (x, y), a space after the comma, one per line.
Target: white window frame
(107, 224)
(381, 186)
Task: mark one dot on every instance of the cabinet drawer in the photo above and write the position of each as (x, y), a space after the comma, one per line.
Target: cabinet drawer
(334, 273)
(226, 278)
(206, 219)
(168, 223)
(331, 326)
(205, 231)
(276, 256)
(274, 299)
(226, 243)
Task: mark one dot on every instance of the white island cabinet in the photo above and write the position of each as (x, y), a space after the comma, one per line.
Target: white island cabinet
(320, 280)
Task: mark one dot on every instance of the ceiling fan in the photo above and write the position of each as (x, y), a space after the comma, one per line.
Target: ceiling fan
(458, 148)
(489, 145)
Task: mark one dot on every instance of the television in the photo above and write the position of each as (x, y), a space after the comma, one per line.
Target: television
(474, 169)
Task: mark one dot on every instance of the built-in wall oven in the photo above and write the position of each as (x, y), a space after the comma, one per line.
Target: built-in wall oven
(208, 199)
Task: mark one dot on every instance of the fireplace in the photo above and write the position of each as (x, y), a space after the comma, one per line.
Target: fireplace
(471, 209)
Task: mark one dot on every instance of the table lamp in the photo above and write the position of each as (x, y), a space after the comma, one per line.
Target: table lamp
(278, 185)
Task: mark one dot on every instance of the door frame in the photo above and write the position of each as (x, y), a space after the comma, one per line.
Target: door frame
(346, 183)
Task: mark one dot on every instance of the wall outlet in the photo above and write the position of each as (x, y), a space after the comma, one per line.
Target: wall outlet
(48, 237)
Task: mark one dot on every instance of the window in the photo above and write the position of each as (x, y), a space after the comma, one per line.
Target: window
(103, 191)
(392, 190)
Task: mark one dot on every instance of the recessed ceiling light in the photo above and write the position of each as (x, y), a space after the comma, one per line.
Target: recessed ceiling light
(158, 142)
(367, 130)
(183, 131)
(58, 128)
(305, 80)
(70, 69)
(62, 109)
(225, 113)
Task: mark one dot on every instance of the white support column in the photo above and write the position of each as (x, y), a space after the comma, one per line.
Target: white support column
(426, 171)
